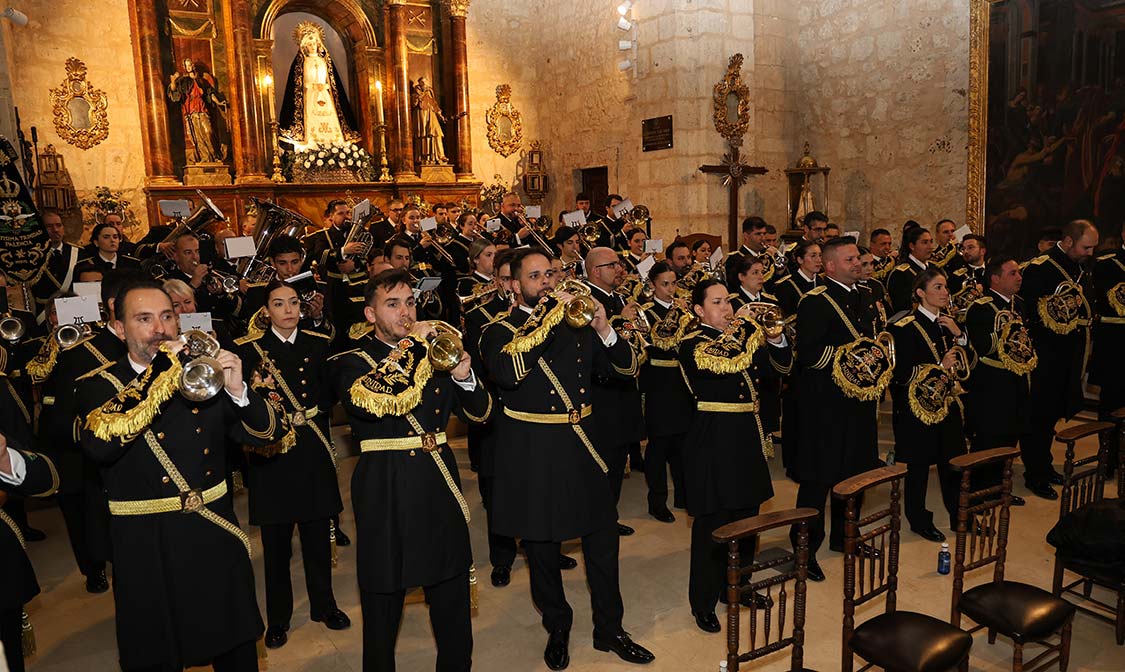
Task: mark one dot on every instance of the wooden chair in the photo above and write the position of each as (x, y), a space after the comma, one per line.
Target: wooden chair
(730, 534)
(1027, 614)
(1084, 483)
(902, 641)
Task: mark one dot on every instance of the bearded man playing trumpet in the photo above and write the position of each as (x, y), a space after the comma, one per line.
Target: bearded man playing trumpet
(725, 480)
(411, 517)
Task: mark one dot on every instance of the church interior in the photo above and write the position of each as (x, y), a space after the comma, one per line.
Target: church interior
(1003, 117)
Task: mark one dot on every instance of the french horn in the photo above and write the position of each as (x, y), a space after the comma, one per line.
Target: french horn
(202, 376)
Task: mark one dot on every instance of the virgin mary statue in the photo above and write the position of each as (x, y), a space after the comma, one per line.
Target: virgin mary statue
(315, 109)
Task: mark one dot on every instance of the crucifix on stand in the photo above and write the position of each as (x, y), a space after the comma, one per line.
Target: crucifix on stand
(731, 115)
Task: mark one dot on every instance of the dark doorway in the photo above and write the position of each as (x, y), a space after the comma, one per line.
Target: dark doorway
(595, 182)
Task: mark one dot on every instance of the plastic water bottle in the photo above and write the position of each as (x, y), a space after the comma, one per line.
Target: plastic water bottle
(943, 559)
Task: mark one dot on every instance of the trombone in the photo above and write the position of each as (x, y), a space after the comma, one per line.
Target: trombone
(439, 238)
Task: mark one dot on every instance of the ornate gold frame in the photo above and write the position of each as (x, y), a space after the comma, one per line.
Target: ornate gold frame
(76, 86)
(978, 114)
(503, 108)
(731, 83)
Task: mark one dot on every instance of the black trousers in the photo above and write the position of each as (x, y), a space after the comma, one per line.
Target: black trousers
(636, 459)
(599, 551)
(501, 549)
(242, 658)
(1035, 449)
(814, 495)
(449, 618)
(316, 552)
(11, 635)
(914, 497)
(615, 459)
(77, 518)
(708, 574)
(664, 453)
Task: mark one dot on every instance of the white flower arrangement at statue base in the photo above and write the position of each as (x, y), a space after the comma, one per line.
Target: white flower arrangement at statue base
(338, 162)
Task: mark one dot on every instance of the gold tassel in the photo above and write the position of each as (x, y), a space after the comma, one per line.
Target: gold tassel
(132, 410)
(28, 632)
(40, 367)
(474, 599)
(535, 331)
(332, 542)
(714, 356)
(385, 403)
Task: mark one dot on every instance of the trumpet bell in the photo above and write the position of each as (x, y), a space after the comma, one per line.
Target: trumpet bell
(445, 352)
(12, 328)
(580, 311)
(69, 334)
(202, 378)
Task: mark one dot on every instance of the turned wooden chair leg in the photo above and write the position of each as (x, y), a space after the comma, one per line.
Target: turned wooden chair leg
(1121, 609)
(1087, 588)
(1017, 658)
(991, 636)
(1064, 646)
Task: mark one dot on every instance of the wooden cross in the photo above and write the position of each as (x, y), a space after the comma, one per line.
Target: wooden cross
(735, 174)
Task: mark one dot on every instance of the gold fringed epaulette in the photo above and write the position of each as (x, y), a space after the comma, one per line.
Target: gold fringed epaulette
(93, 372)
(731, 352)
(310, 332)
(982, 300)
(258, 322)
(904, 320)
(359, 330)
(819, 289)
(395, 385)
(41, 366)
(132, 410)
(535, 331)
(902, 267)
(249, 338)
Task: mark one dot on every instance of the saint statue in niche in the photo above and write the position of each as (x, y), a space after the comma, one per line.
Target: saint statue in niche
(428, 119)
(204, 110)
(315, 109)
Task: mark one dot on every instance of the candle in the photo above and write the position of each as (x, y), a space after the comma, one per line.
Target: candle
(267, 82)
(379, 101)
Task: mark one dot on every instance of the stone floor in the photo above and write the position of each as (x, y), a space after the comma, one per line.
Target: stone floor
(75, 630)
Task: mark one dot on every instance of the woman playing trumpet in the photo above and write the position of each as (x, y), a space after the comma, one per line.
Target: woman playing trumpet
(725, 471)
(932, 358)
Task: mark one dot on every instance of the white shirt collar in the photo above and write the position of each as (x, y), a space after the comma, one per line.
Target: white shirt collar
(292, 337)
(482, 276)
(599, 289)
(1007, 299)
(750, 296)
(976, 268)
(917, 261)
(801, 271)
(1059, 245)
(137, 368)
(663, 304)
(108, 260)
(852, 288)
(931, 316)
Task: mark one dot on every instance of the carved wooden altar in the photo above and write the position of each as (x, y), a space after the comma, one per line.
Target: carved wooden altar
(388, 42)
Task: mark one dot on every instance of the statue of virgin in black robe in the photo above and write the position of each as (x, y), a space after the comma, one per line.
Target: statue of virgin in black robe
(315, 109)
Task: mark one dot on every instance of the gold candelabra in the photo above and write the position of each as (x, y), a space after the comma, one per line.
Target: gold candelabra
(277, 177)
(384, 167)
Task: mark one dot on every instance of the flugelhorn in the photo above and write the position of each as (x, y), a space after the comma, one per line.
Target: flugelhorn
(444, 347)
(202, 376)
(768, 316)
(581, 309)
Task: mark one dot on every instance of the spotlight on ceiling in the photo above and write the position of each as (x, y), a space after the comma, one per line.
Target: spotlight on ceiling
(624, 7)
(624, 45)
(624, 24)
(624, 65)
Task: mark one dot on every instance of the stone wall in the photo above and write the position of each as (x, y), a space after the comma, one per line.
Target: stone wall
(883, 101)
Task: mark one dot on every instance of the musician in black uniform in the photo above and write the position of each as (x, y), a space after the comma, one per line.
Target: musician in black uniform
(945, 254)
(509, 216)
(1061, 340)
(749, 273)
(568, 249)
(997, 405)
(882, 254)
(286, 255)
(190, 268)
(481, 256)
(753, 233)
(1108, 359)
(678, 256)
(914, 257)
(792, 288)
(845, 439)
(325, 246)
(611, 230)
(183, 582)
(635, 253)
(929, 431)
(411, 518)
(725, 480)
(62, 258)
(974, 258)
(105, 255)
(544, 368)
(873, 285)
(668, 403)
(30, 475)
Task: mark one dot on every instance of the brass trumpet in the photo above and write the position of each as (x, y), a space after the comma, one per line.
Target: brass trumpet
(218, 282)
(768, 316)
(444, 346)
(12, 328)
(480, 291)
(67, 335)
(581, 309)
(202, 376)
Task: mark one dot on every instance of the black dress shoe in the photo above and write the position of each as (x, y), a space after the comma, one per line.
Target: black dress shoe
(707, 622)
(557, 653)
(334, 620)
(342, 539)
(501, 576)
(97, 583)
(866, 550)
(1042, 490)
(567, 562)
(753, 599)
(930, 533)
(815, 573)
(1018, 501)
(32, 534)
(625, 648)
(276, 637)
(1055, 478)
(624, 530)
(663, 515)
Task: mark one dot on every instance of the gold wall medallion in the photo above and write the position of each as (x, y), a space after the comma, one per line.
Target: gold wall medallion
(79, 109)
(505, 125)
(731, 103)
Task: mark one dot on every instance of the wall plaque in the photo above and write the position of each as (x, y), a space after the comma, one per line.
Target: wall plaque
(656, 133)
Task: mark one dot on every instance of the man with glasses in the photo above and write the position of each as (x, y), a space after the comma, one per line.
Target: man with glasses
(815, 224)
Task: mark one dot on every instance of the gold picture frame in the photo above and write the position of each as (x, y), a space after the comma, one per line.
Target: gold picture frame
(505, 125)
(977, 163)
(79, 109)
(731, 103)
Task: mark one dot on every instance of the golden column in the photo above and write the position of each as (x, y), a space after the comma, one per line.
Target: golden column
(250, 151)
(155, 134)
(404, 141)
(458, 9)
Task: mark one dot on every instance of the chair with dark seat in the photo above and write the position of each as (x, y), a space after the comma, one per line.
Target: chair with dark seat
(1022, 612)
(1083, 485)
(739, 583)
(896, 640)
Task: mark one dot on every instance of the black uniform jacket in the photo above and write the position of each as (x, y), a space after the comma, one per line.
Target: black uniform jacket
(997, 399)
(58, 273)
(1062, 358)
(19, 584)
(550, 479)
(724, 466)
(322, 247)
(1107, 364)
(841, 437)
(920, 341)
(620, 420)
(668, 404)
(791, 289)
(183, 583)
(410, 523)
(900, 285)
(300, 484)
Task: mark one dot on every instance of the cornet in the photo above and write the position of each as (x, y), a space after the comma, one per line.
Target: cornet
(581, 309)
(202, 376)
(67, 335)
(768, 316)
(444, 347)
(12, 328)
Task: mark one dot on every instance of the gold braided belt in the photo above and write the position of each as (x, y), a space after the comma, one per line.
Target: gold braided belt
(664, 363)
(571, 417)
(186, 502)
(725, 407)
(428, 442)
(301, 418)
